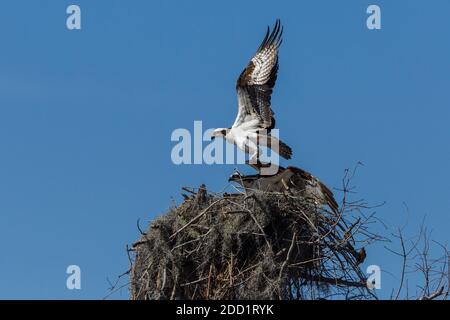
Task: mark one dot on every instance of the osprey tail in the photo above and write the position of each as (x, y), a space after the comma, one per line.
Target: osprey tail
(276, 145)
(329, 198)
(285, 151)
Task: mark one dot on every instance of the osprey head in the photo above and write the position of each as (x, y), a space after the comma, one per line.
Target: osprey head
(220, 132)
(235, 177)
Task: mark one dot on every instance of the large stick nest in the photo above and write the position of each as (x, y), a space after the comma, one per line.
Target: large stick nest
(249, 245)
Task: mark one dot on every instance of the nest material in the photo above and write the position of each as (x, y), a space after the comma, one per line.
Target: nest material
(250, 245)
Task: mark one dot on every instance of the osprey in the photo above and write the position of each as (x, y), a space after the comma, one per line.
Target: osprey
(291, 178)
(255, 119)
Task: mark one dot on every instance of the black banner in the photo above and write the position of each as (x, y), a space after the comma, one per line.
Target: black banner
(219, 309)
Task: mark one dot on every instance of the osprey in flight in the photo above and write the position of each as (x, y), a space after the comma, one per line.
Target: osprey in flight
(254, 89)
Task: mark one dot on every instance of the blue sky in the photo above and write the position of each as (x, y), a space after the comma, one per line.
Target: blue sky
(86, 118)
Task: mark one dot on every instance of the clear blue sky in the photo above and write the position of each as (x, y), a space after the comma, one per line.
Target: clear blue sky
(86, 118)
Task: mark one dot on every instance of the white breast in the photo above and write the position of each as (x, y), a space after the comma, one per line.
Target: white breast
(244, 139)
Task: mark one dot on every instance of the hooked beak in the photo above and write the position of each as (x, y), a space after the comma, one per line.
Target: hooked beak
(234, 177)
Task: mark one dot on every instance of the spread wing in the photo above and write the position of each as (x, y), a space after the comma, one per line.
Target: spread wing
(255, 84)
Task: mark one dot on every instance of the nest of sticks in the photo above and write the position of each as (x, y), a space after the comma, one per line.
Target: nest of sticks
(251, 245)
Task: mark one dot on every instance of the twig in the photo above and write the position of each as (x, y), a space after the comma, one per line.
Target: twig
(288, 256)
(434, 295)
(195, 218)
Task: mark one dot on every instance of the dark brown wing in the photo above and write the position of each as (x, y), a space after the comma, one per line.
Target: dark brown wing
(316, 183)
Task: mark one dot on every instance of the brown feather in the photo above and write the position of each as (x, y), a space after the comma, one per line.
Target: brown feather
(328, 194)
(257, 81)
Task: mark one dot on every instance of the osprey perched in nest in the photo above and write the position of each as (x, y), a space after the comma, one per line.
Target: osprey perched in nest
(255, 117)
(291, 178)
